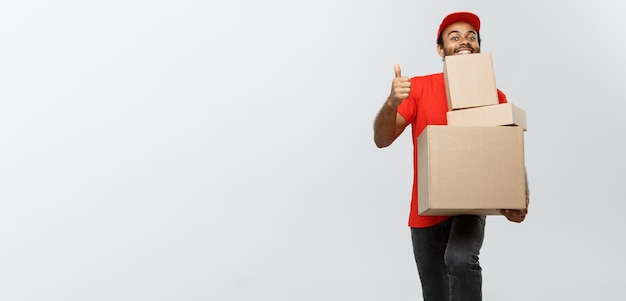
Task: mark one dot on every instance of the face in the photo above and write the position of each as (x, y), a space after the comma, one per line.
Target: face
(459, 38)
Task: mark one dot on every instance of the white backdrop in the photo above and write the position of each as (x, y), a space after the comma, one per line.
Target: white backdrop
(194, 150)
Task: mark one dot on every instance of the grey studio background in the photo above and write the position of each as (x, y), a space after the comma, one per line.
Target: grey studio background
(222, 150)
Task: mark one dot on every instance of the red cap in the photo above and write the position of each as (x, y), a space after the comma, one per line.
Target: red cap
(468, 17)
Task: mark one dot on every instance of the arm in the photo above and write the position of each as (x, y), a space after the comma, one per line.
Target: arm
(389, 124)
(517, 216)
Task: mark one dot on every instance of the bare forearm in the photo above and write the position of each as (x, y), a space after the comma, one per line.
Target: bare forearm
(385, 124)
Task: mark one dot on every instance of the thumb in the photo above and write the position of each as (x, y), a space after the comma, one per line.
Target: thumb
(396, 69)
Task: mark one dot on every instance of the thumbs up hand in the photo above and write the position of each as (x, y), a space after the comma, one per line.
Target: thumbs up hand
(400, 87)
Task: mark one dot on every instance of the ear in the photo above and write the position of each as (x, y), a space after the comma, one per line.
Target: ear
(440, 51)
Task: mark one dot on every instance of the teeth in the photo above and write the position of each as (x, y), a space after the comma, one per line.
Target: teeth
(464, 52)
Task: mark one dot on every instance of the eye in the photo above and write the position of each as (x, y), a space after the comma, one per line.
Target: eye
(472, 38)
(454, 39)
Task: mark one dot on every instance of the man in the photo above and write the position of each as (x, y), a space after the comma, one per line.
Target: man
(446, 248)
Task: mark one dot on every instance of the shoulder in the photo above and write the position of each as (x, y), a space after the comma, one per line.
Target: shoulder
(502, 97)
(428, 78)
(425, 81)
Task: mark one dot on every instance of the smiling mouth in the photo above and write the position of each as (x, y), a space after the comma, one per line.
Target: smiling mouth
(464, 51)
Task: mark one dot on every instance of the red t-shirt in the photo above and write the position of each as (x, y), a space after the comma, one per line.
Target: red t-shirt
(427, 104)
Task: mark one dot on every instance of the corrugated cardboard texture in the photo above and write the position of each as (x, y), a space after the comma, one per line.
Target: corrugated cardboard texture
(470, 170)
(494, 115)
(470, 81)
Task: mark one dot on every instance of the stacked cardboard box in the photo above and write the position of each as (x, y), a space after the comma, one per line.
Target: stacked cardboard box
(475, 164)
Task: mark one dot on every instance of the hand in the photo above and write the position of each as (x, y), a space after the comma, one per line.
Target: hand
(516, 216)
(400, 87)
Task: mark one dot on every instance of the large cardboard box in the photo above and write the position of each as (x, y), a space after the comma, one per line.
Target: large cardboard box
(470, 81)
(494, 115)
(470, 170)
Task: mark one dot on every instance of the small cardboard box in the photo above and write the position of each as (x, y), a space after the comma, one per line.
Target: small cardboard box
(494, 115)
(470, 170)
(470, 81)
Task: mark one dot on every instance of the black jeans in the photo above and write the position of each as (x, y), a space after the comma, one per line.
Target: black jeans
(446, 255)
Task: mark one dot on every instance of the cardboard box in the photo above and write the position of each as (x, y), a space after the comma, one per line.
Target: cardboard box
(470, 170)
(494, 115)
(470, 81)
